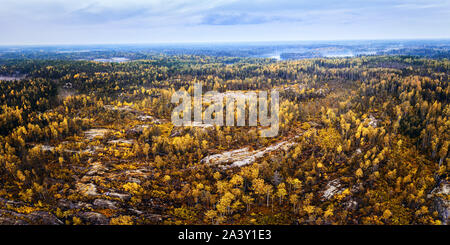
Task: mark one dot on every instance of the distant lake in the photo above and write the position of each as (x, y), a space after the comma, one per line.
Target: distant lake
(113, 59)
(11, 78)
(72, 51)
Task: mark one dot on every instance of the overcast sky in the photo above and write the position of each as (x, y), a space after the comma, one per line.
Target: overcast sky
(168, 21)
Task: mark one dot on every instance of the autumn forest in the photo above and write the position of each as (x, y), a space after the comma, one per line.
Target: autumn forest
(362, 140)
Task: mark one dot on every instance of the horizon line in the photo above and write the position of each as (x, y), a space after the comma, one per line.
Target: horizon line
(221, 42)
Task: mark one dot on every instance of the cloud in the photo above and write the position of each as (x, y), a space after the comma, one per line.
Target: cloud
(418, 6)
(232, 19)
(242, 19)
(94, 15)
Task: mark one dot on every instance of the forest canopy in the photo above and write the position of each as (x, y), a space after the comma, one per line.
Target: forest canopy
(362, 140)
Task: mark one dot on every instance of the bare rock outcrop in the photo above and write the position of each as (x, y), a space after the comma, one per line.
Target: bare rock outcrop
(441, 197)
